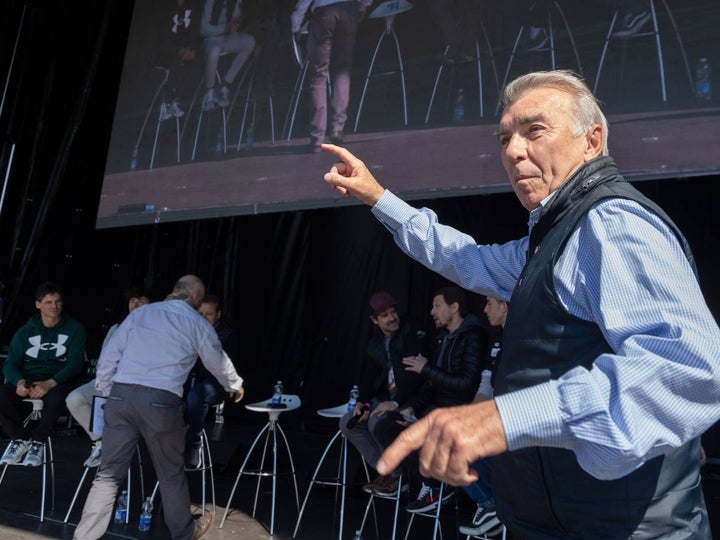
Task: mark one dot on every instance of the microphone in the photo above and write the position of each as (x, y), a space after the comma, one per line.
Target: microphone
(356, 418)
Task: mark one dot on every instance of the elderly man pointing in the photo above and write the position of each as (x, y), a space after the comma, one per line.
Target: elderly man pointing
(610, 368)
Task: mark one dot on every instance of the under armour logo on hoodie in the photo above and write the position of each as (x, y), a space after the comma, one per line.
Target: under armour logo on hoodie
(179, 23)
(58, 347)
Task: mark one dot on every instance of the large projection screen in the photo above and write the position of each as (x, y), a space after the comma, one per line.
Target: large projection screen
(403, 100)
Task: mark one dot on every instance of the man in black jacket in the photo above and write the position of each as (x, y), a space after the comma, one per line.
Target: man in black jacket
(451, 380)
(389, 343)
(203, 390)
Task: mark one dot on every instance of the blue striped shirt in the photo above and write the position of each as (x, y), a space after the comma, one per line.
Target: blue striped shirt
(624, 270)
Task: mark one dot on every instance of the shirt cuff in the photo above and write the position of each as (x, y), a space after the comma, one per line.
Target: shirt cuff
(531, 417)
(392, 210)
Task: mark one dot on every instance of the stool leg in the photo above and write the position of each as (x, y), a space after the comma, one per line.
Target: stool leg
(602, 55)
(242, 469)
(437, 80)
(658, 44)
(44, 478)
(295, 99)
(292, 468)
(402, 76)
(680, 44)
(313, 479)
(208, 466)
(480, 79)
(77, 491)
(343, 453)
(367, 79)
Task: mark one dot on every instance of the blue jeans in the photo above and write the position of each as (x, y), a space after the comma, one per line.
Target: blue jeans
(198, 400)
(480, 491)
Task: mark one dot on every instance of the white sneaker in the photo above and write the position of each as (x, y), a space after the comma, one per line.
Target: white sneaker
(164, 112)
(174, 109)
(209, 100)
(222, 96)
(95, 455)
(15, 452)
(34, 456)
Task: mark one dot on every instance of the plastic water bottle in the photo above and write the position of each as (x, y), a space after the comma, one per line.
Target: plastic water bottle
(703, 90)
(277, 394)
(121, 509)
(146, 515)
(133, 159)
(219, 141)
(358, 535)
(250, 137)
(352, 399)
(459, 110)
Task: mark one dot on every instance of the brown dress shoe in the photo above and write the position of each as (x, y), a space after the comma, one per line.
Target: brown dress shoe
(385, 486)
(202, 524)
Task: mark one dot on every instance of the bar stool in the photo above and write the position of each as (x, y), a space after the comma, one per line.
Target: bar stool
(47, 451)
(435, 515)
(387, 10)
(341, 479)
(163, 107)
(206, 467)
(658, 43)
(551, 35)
(288, 402)
(129, 486)
(251, 101)
(479, 73)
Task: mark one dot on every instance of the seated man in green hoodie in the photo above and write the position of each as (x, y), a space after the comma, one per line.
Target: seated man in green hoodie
(45, 356)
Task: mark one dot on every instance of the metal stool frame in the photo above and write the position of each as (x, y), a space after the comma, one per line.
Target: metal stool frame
(389, 30)
(340, 480)
(37, 404)
(658, 44)
(271, 427)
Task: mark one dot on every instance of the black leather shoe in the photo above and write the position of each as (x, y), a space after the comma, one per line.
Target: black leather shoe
(193, 457)
(337, 138)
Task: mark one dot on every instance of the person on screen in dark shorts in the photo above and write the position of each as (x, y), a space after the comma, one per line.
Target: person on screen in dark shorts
(610, 368)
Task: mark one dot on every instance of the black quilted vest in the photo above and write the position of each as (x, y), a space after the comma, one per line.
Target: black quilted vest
(542, 492)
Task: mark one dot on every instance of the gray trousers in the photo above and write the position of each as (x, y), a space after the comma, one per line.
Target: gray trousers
(330, 47)
(131, 412)
(362, 438)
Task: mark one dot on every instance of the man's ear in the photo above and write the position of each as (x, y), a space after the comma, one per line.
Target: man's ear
(595, 142)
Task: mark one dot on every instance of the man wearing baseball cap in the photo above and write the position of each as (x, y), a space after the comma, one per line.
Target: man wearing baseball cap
(389, 342)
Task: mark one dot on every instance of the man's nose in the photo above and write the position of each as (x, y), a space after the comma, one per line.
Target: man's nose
(516, 147)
